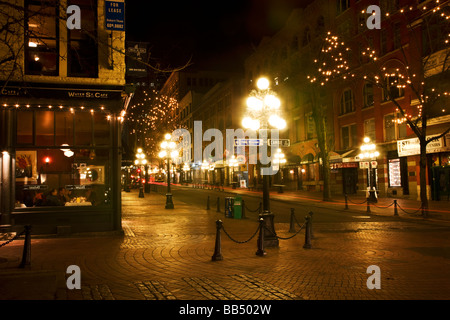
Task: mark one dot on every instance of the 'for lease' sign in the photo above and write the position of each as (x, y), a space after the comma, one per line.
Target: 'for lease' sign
(115, 15)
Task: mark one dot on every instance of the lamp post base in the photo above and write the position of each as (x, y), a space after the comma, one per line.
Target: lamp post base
(169, 202)
(270, 236)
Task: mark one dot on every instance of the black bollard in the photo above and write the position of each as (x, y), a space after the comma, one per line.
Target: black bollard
(346, 202)
(395, 208)
(368, 205)
(307, 244)
(243, 210)
(26, 257)
(311, 224)
(260, 208)
(292, 227)
(260, 252)
(218, 204)
(141, 191)
(217, 256)
(207, 204)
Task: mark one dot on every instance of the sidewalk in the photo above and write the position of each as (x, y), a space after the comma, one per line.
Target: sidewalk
(167, 254)
(406, 207)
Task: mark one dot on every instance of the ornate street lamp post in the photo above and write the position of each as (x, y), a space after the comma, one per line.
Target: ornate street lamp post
(233, 163)
(369, 152)
(205, 167)
(140, 162)
(263, 108)
(168, 152)
(279, 160)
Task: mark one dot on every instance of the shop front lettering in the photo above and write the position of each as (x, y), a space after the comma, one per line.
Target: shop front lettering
(10, 92)
(92, 95)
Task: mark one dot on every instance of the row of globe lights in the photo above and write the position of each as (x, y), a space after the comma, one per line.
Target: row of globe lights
(260, 104)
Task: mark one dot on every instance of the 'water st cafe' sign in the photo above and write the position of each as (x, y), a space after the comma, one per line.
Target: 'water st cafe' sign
(61, 93)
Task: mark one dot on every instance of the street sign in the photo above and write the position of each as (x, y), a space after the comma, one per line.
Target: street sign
(279, 142)
(364, 165)
(248, 142)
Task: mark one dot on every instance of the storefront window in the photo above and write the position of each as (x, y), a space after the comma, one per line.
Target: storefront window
(50, 174)
(47, 177)
(83, 128)
(25, 128)
(45, 124)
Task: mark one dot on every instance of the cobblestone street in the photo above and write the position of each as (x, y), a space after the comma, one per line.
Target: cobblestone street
(166, 255)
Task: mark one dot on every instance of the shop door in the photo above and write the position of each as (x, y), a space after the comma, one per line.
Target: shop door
(441, 183)
(350, 180)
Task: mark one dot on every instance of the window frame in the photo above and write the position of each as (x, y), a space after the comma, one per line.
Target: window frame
(27, 50)
(70, 60)
(343, 102)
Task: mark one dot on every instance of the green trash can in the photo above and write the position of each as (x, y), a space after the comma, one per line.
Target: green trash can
(237, 208)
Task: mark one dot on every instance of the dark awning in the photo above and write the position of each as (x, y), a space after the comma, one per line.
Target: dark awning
(110, 97)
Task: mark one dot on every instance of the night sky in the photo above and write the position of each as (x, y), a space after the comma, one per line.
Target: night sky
(220, 33)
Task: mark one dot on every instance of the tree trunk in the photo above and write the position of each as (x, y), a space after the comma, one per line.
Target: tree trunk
(322, 137)
(423, 177)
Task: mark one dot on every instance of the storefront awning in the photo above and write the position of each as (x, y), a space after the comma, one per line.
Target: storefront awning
(345, 156)
(24, 94)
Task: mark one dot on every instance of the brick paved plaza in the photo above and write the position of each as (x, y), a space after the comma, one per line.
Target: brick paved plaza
(166, 255)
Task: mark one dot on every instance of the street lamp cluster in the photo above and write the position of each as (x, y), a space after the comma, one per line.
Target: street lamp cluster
(168, 153)
(139, 162)
(263, 110)
(369, 152)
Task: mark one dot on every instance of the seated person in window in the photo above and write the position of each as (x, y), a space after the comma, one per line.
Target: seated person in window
(38, 199)
(52, 198)
(64, 195)
(27, 198)
(91, 197)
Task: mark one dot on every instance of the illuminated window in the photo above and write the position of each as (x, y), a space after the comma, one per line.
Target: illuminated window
(395, 88)
(41, 38)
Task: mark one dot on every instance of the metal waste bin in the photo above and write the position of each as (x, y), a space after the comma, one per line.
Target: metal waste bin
(229, 203)
(237, 208)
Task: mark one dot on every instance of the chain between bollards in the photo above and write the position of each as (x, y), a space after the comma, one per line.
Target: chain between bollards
(26, 257)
